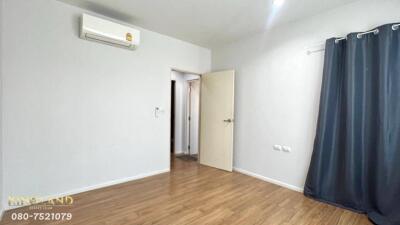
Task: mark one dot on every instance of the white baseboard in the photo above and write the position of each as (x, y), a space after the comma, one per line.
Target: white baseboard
(182, 154)
(267, 179)
(97, 186)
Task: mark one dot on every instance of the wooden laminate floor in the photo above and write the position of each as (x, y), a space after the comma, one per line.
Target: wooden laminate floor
(194, 194)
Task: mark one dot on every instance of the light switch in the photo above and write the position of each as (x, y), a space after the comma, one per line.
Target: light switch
(158, 111)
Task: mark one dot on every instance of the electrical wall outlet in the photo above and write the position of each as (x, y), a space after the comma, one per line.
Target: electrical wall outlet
(277, 147)
(286, 149)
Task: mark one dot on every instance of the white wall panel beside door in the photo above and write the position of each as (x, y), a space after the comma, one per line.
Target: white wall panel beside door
(193, 111)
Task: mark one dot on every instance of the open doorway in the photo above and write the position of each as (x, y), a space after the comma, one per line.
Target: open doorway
(172, 126)
(185, 115)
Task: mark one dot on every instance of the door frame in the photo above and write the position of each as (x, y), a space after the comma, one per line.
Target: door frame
(170, 103)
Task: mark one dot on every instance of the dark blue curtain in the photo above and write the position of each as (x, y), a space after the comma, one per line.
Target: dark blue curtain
(356, 158)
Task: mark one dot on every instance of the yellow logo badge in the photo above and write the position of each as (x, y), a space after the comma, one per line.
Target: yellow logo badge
(129, 37)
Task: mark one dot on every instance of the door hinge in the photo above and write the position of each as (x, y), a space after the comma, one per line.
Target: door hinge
(189, 147)
(189, 118)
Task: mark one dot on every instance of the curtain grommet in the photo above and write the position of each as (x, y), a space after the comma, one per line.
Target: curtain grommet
(340, 39)
(375, 32)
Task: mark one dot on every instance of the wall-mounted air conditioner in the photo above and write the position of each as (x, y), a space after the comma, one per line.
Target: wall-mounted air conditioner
(107, 32)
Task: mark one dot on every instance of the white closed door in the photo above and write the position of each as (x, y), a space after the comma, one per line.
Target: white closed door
(217, 119)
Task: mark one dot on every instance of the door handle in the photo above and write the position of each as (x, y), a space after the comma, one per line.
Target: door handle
(228, 120)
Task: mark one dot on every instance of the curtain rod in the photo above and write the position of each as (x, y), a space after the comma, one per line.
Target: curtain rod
(359, 35)
(339, 39)
(376, 31)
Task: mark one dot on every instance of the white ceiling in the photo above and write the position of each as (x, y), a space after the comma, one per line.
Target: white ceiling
(207, 22)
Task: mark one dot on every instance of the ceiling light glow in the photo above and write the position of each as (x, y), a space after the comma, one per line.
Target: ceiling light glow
(278, 3)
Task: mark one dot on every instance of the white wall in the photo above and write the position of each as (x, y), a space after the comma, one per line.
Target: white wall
(78, 113)
(278, 87)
